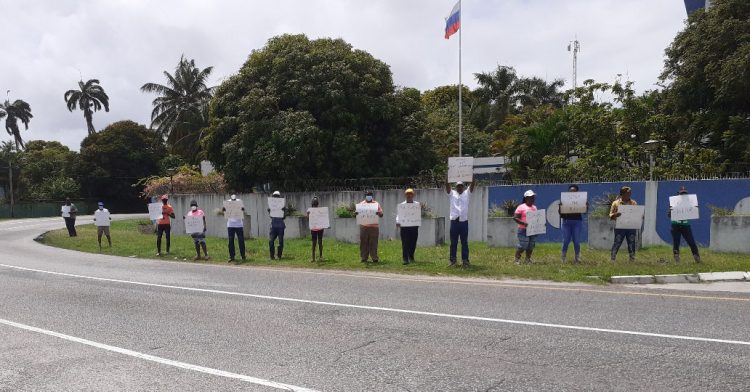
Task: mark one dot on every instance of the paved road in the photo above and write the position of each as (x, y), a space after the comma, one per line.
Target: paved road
(72, 321)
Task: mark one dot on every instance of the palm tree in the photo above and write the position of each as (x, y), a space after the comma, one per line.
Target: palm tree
(90, 97)
(498, 89)
(181, 108)
(18, 110)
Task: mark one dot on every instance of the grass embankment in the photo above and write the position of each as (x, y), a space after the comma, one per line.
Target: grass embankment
(486, 262)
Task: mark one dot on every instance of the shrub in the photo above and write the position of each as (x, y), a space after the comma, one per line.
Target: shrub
(426, 210)
(720, 211)
(185, 180)
(602, 205)
(344, 210)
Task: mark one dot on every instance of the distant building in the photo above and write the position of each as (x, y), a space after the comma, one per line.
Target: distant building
(694, 5)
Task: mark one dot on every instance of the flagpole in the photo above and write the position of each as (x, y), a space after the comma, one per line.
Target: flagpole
(460, 86)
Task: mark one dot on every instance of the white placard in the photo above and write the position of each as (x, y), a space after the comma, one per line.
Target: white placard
(536, 222)
(102, 217)
(319, 218)
(409, 215)
(155, 211)
(367, 213)
(276, 205)
(193, 224)
(233, 209)
(631, 218)
(460, 169)
(573, 202)
(65, 211)
(684, 207)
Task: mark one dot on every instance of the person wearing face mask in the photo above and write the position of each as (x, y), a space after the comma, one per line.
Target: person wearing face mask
(368, 234)
(164, 225)
(102, 220)
(316, 234)
(277, 231)
(199, 239)
(235, 227)
(409, 235)
(459, 216)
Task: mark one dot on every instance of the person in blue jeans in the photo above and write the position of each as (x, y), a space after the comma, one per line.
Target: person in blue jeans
(571, 228)
(459, 216)
(277, 231)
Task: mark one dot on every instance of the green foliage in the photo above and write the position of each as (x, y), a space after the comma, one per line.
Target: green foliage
(344, 210)
(18, 110)
(183, 180)
(720, 211)
(48, 171)
(602, 205)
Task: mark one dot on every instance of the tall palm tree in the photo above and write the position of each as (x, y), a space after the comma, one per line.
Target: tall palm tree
(499, 89)
(90, 97)
(18, 110)
(181, 108)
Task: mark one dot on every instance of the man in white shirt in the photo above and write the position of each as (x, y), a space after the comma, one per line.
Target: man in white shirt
(235, 227)
(409, 235)
(102, 220)
(459, 216)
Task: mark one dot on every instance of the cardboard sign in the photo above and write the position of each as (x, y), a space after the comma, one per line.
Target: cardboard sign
(233, 209)
(276, 205)
(154, 211)
(65, 211)
(319, 218)
(573, 202)
(631, 218)
(193, 224)
(684, 207)
(409, 214)
(101, 217)
(367, 213)
(460, 169)
(536, 222)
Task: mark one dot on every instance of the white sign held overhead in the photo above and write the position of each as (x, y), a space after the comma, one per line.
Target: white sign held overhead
(193, 224)
(154, 211)
(536, 222)
(101, 218)
(367, 213)
(460, 169)
(319, 218)
(684, 207)
(409, 215)
(573, 202)
(276, 205)
(233, 209)
(631, 218)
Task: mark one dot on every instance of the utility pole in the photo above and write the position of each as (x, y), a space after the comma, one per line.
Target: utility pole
(575, 47)
(10, 180)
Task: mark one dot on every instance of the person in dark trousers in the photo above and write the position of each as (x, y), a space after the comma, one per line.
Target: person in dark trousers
(102, 219)
(409, 235)
(277, 231)
(316, 234)
(459, 216)
(235, 227)
(682, 228)
(164, 225)
(69, 212)
(199, 239)
(623, 234)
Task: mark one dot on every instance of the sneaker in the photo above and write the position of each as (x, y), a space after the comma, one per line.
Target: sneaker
(577, 259)
(231, 260)
(406, 262)
(453, 262)
(207, 257)
(517, 262)
(528, 261)
(677, 258)
(465, 263)
(697, 258)
(563, 259)
(196, 258)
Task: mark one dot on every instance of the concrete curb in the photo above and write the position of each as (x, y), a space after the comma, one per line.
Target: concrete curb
(733, 276)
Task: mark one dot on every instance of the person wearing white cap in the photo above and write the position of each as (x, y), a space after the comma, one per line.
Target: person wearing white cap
(277, 231)
(409, 235)
(525, 242)
(459, 216)
(102, 221)
(235, 227)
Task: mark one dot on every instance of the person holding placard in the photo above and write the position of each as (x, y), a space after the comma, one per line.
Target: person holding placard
(102, 221)
(235, 227)
(369, 232)
(681, 228)
(571, 228)
(316, 233)
(164, 225)
(409, 234)
(525, 242)
(623, 234)
(199, 238)
(459, 216)
(277, 229)
(69, 212)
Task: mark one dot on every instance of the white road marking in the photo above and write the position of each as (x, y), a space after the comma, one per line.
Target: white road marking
(163, 361)
(394, 310)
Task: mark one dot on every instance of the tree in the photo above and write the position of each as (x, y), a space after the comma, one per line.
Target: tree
(181, 108)
(118, 157)
(90, 97)
(13, 112)
(48, 171)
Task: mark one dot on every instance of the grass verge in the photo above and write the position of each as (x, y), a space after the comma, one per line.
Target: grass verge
(486, 261)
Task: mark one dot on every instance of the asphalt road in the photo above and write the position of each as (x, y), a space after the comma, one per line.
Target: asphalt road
(72, 321)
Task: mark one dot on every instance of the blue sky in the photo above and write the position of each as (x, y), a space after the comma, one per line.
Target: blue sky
(126, 43)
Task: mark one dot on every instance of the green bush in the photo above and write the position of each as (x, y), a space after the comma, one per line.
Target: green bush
(345, 210)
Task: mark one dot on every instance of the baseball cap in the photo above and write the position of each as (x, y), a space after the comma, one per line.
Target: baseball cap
(276, 193)
(459, 183)
(368, 193)
(164, 197)
(625, 189)
(101, 203)
(683, 190)
(529, 193)
(409, 191)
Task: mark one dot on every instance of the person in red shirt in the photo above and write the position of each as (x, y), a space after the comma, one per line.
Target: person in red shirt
(164, 225)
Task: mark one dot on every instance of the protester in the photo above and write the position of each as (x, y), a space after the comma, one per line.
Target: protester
(620, 234)
(571, 228)
(102, 221)
(164, 225)
(525, 242)
(459, 216)
(199, 239)
(235, 227)
(368, 234)
(409, 235)
(69, 212)
(277, 231)
(316, 234)
(681, 228)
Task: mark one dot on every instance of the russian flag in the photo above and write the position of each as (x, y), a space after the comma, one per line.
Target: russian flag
(453, 22)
